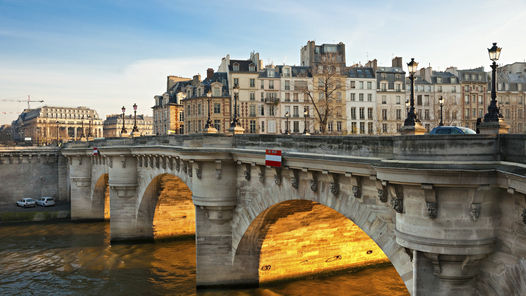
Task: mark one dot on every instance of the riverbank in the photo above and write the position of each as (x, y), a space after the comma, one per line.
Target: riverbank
(10, 213)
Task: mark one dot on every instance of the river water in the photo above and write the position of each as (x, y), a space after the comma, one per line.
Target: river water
(77, 259)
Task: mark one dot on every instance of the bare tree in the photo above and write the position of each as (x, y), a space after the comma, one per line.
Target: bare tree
(327, 83)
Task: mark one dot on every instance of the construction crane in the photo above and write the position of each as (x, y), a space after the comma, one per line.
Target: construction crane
(21, 101)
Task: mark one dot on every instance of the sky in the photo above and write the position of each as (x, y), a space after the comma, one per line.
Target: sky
(114, 53)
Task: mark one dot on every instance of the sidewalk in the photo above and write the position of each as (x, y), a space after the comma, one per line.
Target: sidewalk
(12, 213)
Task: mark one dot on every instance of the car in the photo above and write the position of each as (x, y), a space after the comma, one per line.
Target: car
(26, 202)
(452, 130)
(46, 201)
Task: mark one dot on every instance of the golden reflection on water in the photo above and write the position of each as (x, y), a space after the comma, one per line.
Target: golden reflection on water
(75, 258)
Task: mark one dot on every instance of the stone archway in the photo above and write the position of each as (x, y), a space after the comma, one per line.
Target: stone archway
(100, 199)
(299, 238)
(166, 209)
(261, 205)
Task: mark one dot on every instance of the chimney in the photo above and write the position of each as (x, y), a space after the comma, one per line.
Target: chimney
(209, 73)
(372, 64)
(397, 62)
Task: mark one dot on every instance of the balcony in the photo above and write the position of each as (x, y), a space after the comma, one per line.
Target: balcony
(271, 100)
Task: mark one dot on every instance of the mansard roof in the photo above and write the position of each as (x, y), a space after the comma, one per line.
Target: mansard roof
(361, 72)
(244, 66)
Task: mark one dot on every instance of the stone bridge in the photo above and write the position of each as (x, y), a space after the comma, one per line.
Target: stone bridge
(447, 211)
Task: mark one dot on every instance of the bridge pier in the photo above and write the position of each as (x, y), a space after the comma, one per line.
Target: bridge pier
(80, 177)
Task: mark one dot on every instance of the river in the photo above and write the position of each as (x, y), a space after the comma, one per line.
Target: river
(77, 259)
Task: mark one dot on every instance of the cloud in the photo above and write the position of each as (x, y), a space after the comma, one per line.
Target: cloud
(98, 88)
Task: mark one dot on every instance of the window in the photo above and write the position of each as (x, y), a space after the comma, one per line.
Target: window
(353, 113)
(217, 125)
(252, 126)
(271, 84)
(271, 110)
(262, 126)
(369, 85)
(262, 84)
(361, 84)
(384, 127)
(454, 115)
(287, 97)
(217, 108)
(262, 110)
(467, 114)
(419, 100)
(362, 113)
(426, 114)
(474, 99)
(236, 82)
(360, 97)
(252, 82)
(398, 88)
(338, 126)
(481, 112)
(369, 97)
(198, 109)
(353, 84)
(295, 111)
(383, 86)
(384, 114)
(295, 97)
(439, 88)
(480, 100)
(287, 84)
(362, 128)
(216, 91)
(369, 113)
(426, 100)
(353, 97)
(398, 114)
(370, 128)
(252, 111)
(236, 67)
(384, 100)
(251, 68)
(329, 126)
(253, 96)
(398, 100)
(353, 128)
(296, 127)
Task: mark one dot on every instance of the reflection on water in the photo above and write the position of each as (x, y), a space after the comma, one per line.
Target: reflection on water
(71, 258)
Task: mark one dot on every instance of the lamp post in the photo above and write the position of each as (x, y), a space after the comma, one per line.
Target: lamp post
(234, 120)
(441, 102)
(208, 121)
(123, 130)
(411, 116)
(306, 114)
(287, 122)
(82, 128)
(89, 126)
(57, 130)
(493, 111)
(135, 129)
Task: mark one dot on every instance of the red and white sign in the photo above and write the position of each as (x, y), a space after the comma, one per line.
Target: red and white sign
(273, 158)
(95, 151)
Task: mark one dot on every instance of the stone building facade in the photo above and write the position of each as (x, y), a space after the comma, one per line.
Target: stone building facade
(361, 101)
(50, 124)
(195, 103)
(390, 97)
(112, 126)
(168, 113)
(511, 95)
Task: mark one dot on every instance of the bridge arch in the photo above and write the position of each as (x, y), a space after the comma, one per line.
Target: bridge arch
(261, 207)
(100, 197)
(166, 209)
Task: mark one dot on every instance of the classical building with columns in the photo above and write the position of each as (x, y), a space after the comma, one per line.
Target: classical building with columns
(49, 124)
(112, 126)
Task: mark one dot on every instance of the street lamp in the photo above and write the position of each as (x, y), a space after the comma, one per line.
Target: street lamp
(493, 111)
(234, 120)
(57, 130)
(208, 121)
(135, 129)
(306, 114)
(123, 130)
(287, 124)
(411, 116)
(89, 126)
(441, 102)
(82, 128)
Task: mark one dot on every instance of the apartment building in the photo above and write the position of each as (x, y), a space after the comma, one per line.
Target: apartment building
(361, 101)
(390, 97)
(112, 126)
(168, 116)
(511, 95)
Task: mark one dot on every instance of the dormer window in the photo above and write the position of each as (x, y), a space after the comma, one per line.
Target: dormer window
(252, 68)
(236, 67)
(439, 80)
(270, 73)
(216, 91)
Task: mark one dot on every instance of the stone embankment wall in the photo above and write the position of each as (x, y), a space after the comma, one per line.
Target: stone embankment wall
(32, 172)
